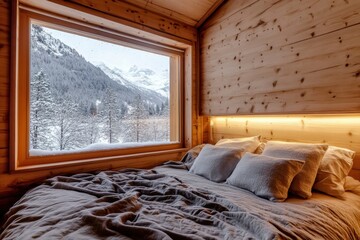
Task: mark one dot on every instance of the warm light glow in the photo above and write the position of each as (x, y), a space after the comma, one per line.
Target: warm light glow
(211, 130)
(340, 130)
(287, 119)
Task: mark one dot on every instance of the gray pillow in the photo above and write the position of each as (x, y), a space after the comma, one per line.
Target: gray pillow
(267, 177)
(216, 163)
(310, 153)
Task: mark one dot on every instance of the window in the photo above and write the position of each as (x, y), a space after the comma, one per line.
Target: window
(85, 93)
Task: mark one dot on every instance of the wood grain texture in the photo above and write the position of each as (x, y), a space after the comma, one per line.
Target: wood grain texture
(74, 12)
(211, 10)
(186, 11)
(4, 153)
(4, 83)
(140, 16)
(265, 57)
(338, 130)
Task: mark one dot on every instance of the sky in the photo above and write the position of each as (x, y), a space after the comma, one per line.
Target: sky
(112, 55)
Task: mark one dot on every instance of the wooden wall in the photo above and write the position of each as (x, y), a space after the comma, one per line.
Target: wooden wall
(12, 185)
(287, 56)
(337, 130)
(4, 83)
(283, 57)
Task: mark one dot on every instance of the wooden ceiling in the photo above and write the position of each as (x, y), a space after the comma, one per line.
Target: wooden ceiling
(191, 12)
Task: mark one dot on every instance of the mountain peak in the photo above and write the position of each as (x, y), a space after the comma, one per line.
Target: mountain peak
(137, 77)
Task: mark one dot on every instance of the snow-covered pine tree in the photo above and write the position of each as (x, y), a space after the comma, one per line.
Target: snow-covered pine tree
(92, 124)
(137, 124)
(156, 128)
(165, 116)
(41, 111)
(68, 130)
(111, 115)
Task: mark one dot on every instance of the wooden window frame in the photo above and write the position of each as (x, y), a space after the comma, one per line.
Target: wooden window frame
(20, 158)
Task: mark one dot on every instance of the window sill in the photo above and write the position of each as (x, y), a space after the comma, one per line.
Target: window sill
(126, 159)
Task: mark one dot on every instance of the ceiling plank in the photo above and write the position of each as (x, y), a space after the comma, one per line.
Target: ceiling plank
(190, 12)
(190, 8)
(163, 11)
(70, 11)
(213, 8)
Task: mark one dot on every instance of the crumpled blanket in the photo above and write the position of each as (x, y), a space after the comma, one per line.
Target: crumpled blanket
(132, 204)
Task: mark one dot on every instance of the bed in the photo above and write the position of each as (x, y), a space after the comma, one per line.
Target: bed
(169, 202)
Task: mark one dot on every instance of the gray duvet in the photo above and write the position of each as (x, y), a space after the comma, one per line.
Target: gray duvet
(168, 203)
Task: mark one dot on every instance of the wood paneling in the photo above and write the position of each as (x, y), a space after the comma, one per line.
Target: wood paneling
(187, 11)
(4, 84)
(340, 130)
(264, 57)
(135, 15)
(4, 153)
(124, 25)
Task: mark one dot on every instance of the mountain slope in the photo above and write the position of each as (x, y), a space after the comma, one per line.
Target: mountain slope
(74, 78)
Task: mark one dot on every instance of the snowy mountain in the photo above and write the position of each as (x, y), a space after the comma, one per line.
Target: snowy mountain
(41, 40)
(147, 78)
(72, 77)
(140, 77)
(115, 74)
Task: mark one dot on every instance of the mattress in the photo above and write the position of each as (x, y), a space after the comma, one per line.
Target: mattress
(170, 203)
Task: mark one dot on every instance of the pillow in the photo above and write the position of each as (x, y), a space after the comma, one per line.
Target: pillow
(352, 185)
(334, 167)
(248, 144)
(216, 163)
(190, 156)
(267, 177)
(260, 148)
(310, 153)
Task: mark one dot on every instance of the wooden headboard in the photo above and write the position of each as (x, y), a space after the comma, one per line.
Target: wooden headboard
(337, 130)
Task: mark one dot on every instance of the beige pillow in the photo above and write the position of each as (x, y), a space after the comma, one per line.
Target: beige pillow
(267, 177)
(260, 148)
(248, 144)
(190, 156)
(334, 167)
(352, 185)
(310, 153)
(216, 163)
